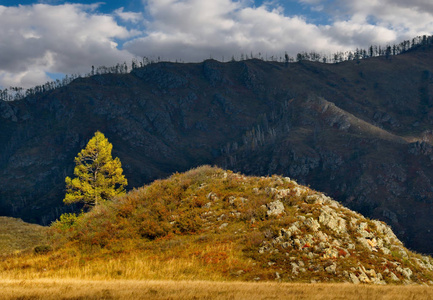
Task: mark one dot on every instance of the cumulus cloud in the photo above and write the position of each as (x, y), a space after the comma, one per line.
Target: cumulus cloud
(193, 30)
(405, 18)
(70, 38)
(128, 16)
(58, 39)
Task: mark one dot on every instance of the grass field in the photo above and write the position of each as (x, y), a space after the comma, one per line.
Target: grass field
(123, 289)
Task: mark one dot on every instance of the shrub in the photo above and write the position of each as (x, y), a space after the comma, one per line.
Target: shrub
(42, 249)
(66, 221)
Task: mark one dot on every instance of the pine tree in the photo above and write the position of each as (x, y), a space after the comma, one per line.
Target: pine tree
(98, 176)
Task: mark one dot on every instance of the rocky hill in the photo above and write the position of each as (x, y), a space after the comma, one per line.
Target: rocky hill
(358, 130)
(243, 228)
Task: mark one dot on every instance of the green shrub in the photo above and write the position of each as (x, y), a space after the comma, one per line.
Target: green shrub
(66, 221)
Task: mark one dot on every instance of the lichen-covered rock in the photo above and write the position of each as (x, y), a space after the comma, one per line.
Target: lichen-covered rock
(353, 278)
(332, 220)
(275, 208)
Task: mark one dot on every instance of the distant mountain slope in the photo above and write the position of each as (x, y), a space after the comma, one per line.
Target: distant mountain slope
(358, 130)
(233, 226)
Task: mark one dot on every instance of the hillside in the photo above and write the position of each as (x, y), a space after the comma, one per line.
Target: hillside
(358, 130)
(212, 224)
(16, 235)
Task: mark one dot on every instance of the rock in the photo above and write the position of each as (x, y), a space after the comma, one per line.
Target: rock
(223, 225)
(298, 190)
(295, 268)
(222, 217)
(330, 253)
(353, 278)
(366, 243)
(321, 236)
(363, 232)
(329, 218)
(312, 224)
(332, 269)
(275, 208)
(282, 194)
(363, 277)
(315, 199)
(212, 196)
(406, 272)
(393, 276)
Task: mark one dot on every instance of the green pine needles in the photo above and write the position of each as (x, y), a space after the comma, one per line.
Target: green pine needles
(98, 177)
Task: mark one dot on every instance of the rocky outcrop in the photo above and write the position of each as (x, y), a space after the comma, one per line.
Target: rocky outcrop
(330, 238)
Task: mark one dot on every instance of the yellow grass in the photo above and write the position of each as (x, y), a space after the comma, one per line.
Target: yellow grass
(133, 289)
(16, 235)
(188, 262)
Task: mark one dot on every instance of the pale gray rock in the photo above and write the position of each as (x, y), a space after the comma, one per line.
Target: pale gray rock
(406, 272)
(353, 278)
(312, 224)
(332, 269)
(393, 276)
(275, 208)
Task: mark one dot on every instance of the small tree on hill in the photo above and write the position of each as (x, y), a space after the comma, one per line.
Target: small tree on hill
(98, 176)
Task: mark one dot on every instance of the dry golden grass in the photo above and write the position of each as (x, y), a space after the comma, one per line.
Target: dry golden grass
(185, 261)
(133, 289)
(16, 235)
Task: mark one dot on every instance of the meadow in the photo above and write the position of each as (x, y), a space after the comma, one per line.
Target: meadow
(163, 289)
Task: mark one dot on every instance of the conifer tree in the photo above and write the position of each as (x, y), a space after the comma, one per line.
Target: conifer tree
(98, 176)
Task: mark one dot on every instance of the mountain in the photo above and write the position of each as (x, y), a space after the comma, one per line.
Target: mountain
(359, 131)
(212, 223)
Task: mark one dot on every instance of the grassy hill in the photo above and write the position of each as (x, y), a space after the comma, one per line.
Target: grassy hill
(212, 224)
(16, 235)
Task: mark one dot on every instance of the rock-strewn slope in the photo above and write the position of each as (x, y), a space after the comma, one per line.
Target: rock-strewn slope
(277, 230)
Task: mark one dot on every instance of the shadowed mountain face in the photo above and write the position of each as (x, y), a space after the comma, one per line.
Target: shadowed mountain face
(359, 131)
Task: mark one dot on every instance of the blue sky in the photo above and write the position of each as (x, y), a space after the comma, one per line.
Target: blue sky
(43, 39)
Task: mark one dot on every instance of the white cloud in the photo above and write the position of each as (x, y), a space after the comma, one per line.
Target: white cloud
(406, 18)
(70, 38)
(193, 30)
(66, 39)
(128, 16)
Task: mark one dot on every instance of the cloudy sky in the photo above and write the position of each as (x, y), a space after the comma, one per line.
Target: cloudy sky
(44, 39)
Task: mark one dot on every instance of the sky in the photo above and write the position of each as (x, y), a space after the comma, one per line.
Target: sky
(41, 40)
